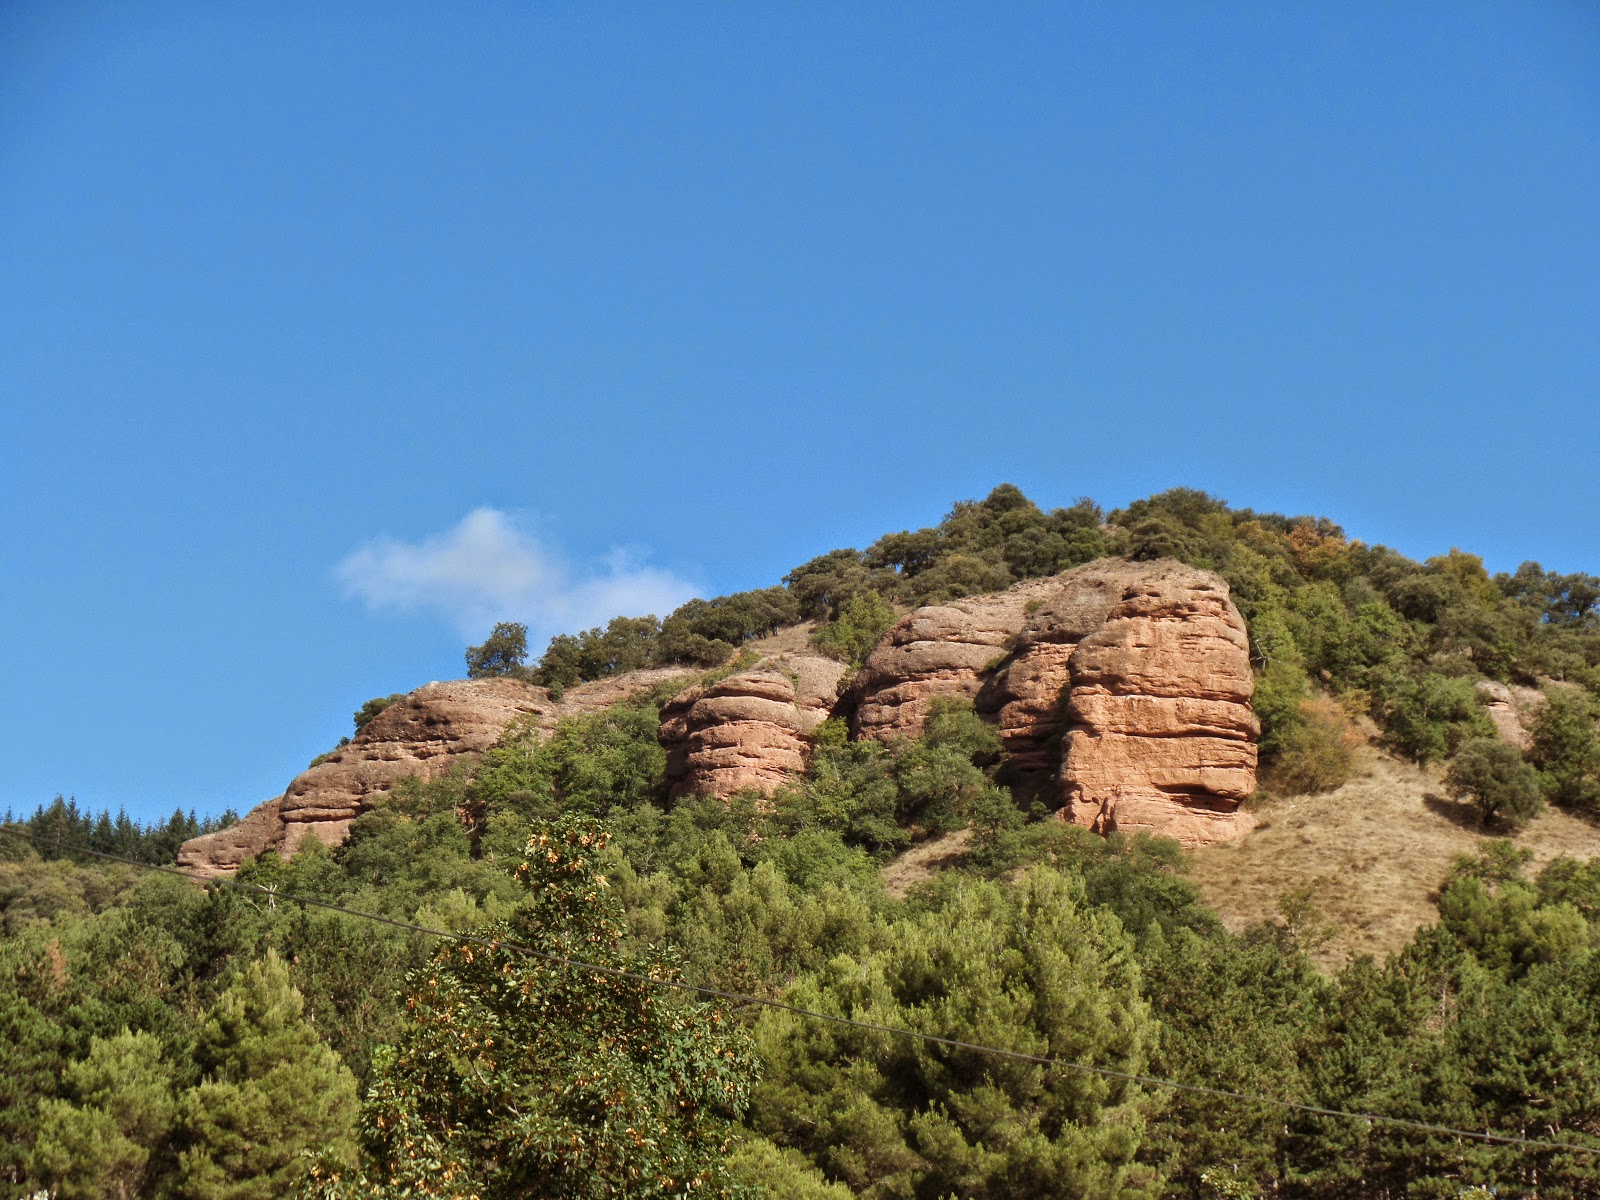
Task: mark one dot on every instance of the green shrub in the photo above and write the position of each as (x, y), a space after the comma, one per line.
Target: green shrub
(1316, 753)
(1565, 748)
(861, 623)
(374, 707)
(1426, 715)
(1491, 774)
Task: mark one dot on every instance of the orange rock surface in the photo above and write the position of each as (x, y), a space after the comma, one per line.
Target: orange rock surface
(941, 650)
(1121, 691)
(421, 737)
(1160, 734)
(750, 730)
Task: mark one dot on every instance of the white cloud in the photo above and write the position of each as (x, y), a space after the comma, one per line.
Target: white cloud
(488, 569)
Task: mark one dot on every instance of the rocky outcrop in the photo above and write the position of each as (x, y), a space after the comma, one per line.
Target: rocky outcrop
(1027, 696)
(1121, 691)
(1160, 735)
(941, 650)
(1511, 709)
(750, 730)
(419, 737)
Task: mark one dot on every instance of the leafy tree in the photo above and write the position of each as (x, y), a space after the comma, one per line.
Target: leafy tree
(1491, 774)
(379, 704)
(1572, 881)
(597, 764)
(625, 644)
(1236, 1012)
(823, 586)
(503, 652)
(1426, 715)
(851, 636)
(849, 789)
(1507, 928)
(1565, 748)
(34, 1045)
(522, 1078)
(785, 1173)
(271, 1090)
(1313, 753)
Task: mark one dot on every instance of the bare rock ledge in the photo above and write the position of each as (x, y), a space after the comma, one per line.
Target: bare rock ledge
(421, 737)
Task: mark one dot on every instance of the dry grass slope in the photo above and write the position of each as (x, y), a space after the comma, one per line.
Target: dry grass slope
(1381, 844)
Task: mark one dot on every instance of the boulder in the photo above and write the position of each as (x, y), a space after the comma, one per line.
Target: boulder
(1511, 709)
(750, 730)
(1121, 691)
(1027, 696)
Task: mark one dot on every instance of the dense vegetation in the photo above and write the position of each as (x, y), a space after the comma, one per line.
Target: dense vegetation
(65, 822)
(1340, 631)
(162, 1039)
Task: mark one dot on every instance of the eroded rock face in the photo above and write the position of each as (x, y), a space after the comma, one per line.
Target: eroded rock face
(1511, 709)
(1160, 735)
(1121, 691)
(749, 730)
(941, 650)
(1027, 696)
(421, 736)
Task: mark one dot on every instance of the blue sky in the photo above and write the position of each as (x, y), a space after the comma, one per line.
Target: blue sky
(329, 331)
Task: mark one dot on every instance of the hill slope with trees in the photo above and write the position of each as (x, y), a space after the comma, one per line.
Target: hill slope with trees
(229, 1041)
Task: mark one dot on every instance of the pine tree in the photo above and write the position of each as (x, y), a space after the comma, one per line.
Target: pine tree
(1033, 969)
(271, 1091)
(113, 1137)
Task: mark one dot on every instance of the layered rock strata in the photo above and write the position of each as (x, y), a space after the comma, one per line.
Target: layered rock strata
(1027, 696)
(420, 737)
(1121, 691)
(941, 650)
(750, 730)
(1160, 735)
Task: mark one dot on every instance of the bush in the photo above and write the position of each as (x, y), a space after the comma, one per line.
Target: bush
(1316, 753)
(373, 708)
(1503, 788)
(1566, 750)
(1426, 716)
(851, 636)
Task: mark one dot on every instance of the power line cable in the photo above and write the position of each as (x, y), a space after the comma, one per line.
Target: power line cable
(811, 1014)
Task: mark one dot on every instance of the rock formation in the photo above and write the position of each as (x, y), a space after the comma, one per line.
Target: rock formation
(1160, 735)
(421, 736)
(749, 730)
(1511, 709)
(1027, 696)
(940, 650)
(1121, 691)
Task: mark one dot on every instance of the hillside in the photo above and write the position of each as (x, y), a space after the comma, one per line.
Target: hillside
(1376, 850)
(973, 836)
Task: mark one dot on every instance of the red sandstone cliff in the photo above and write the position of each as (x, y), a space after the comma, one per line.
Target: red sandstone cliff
(750, 730)
(421, 736)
